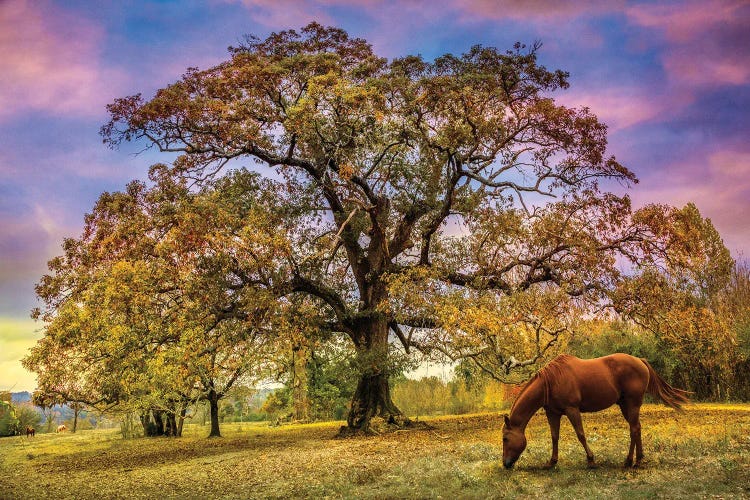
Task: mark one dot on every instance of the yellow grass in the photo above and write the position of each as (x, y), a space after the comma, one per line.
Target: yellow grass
(702, 453)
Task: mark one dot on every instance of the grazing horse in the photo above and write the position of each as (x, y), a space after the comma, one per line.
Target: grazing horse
(568, 386)
(61, 428)
(30, 432)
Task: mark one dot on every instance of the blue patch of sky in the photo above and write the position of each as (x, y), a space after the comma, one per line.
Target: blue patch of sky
(14, 203)
(649, 147)
(614, 62)
(718, 115)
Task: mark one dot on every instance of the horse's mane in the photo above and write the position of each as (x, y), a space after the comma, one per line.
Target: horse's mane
(553, 370)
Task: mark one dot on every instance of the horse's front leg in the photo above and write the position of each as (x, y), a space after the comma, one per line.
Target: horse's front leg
(574, 415)
(553, 419)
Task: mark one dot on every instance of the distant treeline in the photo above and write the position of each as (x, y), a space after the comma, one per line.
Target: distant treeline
(17, 411)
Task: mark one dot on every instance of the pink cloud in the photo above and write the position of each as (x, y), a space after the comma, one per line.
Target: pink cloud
(50, 62)
(29, 239)
(622, 107)
(732, 165)
(709, 41)
(682, 21)
(385, 35)
(295, 13)
(718, 183)
(696, 64)
(286, 14)
(393, 23)
(537, 9)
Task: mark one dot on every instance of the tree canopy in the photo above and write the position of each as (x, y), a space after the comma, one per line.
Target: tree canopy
(144, 309)
(448, 206)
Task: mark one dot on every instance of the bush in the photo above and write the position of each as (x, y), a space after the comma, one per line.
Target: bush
(434, 396)
(607, 338)
(9, 424)
(28, 416)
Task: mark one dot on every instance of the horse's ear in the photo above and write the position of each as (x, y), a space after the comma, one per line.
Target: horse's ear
(507, 420)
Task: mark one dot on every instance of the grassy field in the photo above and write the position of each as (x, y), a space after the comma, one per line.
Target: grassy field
(702, 453)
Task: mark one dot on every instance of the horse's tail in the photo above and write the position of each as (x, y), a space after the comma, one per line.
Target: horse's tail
(658, 387)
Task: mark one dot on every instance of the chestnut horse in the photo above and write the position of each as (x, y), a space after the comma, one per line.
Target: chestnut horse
(61, 428)
(30, 432)
(568, 386)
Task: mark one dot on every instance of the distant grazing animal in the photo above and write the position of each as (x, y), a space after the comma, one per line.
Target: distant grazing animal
(30, 432)
(61, 428)
(568, 386)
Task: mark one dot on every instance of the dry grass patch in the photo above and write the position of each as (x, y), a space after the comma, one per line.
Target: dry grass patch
(705, 452)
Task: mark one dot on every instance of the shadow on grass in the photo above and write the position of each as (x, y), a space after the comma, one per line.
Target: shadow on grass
(605, 465)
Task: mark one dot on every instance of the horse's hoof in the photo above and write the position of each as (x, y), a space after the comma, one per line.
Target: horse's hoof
(628, 463)
(549, 465)
(592, 465)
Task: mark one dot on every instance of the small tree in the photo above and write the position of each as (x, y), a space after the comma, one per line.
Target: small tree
(145, 309)
(28, 416)
(46, 402)
(678, 299)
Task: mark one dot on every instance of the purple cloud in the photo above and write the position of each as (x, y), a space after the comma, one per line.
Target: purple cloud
(622, 106)
(51, 63)
(540, 10)
(718, 183)
(708, 41)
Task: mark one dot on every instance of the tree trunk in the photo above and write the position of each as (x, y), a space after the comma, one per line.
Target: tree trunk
(145, 419)
(75, 419)
(181, 420)
(153, 423)
(213, 401)
(300, 383)
(50, 416)
(204, 414)
(159, 422)
(372, 398)
(149, 427)
(172, 424)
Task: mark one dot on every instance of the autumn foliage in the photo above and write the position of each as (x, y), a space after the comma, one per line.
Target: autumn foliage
(450, 208)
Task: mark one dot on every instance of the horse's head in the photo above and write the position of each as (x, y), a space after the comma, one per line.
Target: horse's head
(514, 442)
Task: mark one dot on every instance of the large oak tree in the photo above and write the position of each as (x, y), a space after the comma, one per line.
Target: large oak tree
(421, 184)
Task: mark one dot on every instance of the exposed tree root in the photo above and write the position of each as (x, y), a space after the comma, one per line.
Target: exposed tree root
(379, 426)
(373, 411)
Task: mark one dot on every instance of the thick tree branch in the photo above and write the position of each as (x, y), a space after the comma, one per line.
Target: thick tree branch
(456, 172)
(331, 297)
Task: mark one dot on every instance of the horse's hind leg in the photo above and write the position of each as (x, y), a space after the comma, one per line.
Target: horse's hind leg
(635, 432)
(631, 411)
(554, 430)
(629, 459)
(574, 415)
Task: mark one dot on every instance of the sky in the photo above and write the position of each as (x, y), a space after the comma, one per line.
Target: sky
(670, 79)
